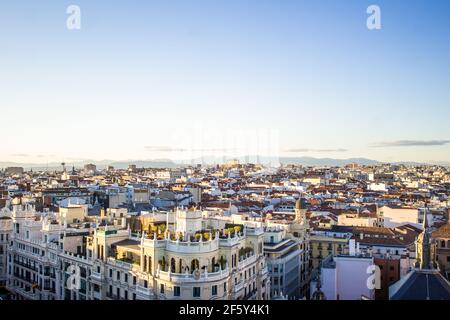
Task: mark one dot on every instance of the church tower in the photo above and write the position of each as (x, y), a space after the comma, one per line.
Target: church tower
(318, 294)
(300, 211)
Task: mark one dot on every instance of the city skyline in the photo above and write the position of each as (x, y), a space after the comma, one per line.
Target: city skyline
(139, 80)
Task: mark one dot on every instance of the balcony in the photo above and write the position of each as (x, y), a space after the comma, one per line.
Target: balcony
(247, 261)
(192, 247)
(23, 278)
(239, 286)
(144, 293)
(229, 242)
(264, 271)
(96, 276)
(112, 296)
(121, 264)
(25, 265)
(26, 294)
(189, 277)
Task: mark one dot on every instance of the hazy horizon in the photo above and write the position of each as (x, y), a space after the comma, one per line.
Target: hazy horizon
(179, 79)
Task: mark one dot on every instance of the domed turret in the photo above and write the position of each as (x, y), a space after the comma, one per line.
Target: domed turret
(318, 294)
(300, 210)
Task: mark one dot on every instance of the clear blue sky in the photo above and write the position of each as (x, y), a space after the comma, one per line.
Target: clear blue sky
(143, 76)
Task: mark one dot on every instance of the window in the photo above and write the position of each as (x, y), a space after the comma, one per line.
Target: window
(145, 284)
(126, 277)
(448, 258)
(224, 287)
(134, 280)
(214, 290)
(110, 273)
(176, 291)
(162, 288)
(196, 292)
(118, 275)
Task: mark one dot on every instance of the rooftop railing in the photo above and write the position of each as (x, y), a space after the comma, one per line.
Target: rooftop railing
(190, 277)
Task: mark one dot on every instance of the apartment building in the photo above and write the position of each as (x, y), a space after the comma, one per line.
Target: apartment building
(298, 231)
(283, 258)
(326, 242)
(345, 277)
(182, 259)
(5, 232)
(442, 237)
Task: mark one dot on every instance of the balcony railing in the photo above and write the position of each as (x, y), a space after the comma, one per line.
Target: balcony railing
(96, 276)
(239, 286)
(189, 277)
(247, 261)
(143, 292)
(192, 247)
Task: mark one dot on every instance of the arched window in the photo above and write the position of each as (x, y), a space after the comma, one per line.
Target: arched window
(195, 265)
(172, 265)
(145, 262)
(150, 267)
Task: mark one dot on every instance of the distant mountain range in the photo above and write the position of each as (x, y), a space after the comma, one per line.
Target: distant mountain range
(166, 163)
(163, 163)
